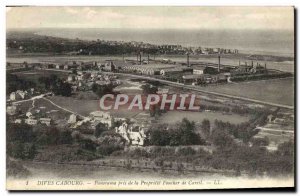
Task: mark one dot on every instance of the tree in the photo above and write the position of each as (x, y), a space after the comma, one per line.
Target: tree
(286, 149)
(17, 150)
(260, 141)
(206, 127)
(20, 132)
(182, 134)
(221, 139)
(149, 89)
(100, 128)
(29, 151)
(65, 137)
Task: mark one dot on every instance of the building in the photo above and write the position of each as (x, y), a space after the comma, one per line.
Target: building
(71, 78)
(103, 117)
(28, 114)
(67, 67)
(18, 95)
(148, 69)
(109, 66)
(49, 66)
(11, 110)
(18, 121)
(199, 70)
(162, 91)
(134, 135)
(31, 121)
(171, 71)
(46, 121)
(197, 79)
(59, 67)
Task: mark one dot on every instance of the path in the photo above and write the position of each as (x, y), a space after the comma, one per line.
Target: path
(65, 109)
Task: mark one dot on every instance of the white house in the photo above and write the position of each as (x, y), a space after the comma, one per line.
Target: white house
(28, 114)
(199, 70)
(18, 121)
(46, 121)
(134, 135)
(71, 78)
(11, 110)
(31, 121)
(17, 95)
(72, 119)
(103, 117)
(12, 96)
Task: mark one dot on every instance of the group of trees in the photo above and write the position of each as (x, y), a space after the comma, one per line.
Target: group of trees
(182, 134)
(13, 83)
(37, 43)
(101, 90)
(23, 141)
(149, 89)
(56, 85)
(244, 131)
(261, 76)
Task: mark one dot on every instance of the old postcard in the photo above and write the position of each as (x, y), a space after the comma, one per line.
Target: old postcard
(149, 98)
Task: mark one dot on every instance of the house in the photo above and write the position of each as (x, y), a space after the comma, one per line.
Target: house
(109, 66)
(18, 121)
(46, 121)
(162, 91)
(18, 95)
(11, 110)
(59, 67)
(49, 66)
(72, 119)
(270, 118)
(12, 96)
(73, 66)
(192, 78)
(134, 135)
(71, 78)
(171, 71)
(243, 69)
(199, 70)
(103, 117)
(31, 121)
(29, 114)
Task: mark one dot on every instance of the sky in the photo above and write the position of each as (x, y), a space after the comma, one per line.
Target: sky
(151, 17)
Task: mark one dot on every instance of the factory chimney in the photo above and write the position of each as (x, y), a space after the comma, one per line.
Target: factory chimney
(266, 66)
(188, 59)
(239, 62)
(148, 58)
(219, 62)
(140, 58)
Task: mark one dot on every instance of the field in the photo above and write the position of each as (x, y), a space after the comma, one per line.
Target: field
(34, 75)
(280, 91)
(176, 116)
(85, 107)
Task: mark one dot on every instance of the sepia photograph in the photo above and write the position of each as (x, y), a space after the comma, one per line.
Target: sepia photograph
(143, 98)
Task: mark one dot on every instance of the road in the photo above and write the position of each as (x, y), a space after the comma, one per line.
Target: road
(42, 96)
(32, 98)
(60, 107)
(195, 88)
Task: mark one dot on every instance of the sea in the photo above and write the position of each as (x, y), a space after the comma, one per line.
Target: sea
(268, 42)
